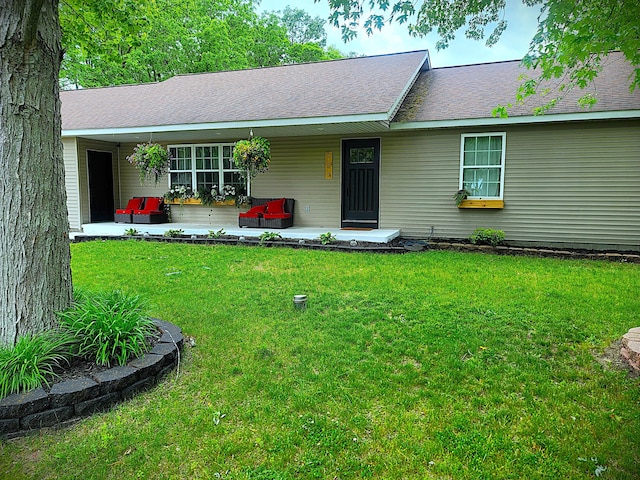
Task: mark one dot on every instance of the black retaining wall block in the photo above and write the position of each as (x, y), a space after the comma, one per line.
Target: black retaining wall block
(23, 412)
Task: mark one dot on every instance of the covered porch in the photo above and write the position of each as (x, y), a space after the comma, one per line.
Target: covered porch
(112, 229)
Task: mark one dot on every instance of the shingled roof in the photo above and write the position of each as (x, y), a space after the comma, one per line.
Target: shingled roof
(364, 87)
(348, 96)
(472, 91)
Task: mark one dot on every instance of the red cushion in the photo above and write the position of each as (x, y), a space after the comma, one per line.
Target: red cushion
(254, 212)
(133, 204)
(152, 203)
(268, 216)
(276, 206)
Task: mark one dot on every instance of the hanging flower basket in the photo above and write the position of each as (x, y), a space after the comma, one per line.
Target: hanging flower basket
(252, 156)
(151, 159)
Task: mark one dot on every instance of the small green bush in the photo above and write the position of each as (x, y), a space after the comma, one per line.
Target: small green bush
(487, 236)
(269, 237)
(32, 360)
(216, 233)
(108, 327)
(174, 233)
(327, 238)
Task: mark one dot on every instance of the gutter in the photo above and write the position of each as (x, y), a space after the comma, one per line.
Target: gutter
(520, 120)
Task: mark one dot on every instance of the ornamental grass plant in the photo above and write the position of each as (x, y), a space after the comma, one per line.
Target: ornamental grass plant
(33, 361)
(108, 327)
(418, 366)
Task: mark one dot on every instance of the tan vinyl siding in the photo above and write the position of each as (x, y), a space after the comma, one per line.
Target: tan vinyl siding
(129, 179)
(297, 171)
(71, 182)
(573, 184)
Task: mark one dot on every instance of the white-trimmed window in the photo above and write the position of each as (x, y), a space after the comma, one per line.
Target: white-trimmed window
(205, 167)
(482, 164)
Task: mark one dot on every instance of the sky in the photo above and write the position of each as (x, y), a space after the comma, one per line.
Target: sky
(394, 38)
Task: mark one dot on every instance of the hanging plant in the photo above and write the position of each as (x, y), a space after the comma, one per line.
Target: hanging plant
(252, 156)
(151, 159)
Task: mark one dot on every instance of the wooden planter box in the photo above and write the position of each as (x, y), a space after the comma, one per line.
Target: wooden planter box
(196, 201)
(481, 204)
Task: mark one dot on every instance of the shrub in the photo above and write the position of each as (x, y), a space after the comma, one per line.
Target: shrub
(216, 233)
(327, 238)
(269, 237)
(174, 233)
(32, 360)
(487, 236)
(108, 326)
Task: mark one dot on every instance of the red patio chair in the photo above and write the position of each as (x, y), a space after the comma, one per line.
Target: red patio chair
(153, 211)
(125, 215)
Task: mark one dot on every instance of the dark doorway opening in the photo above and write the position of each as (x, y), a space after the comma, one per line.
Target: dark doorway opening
(100, 166)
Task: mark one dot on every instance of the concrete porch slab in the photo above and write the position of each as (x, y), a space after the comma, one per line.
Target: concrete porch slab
(112, 229)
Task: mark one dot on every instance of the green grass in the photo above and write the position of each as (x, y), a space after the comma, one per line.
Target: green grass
(424, 365)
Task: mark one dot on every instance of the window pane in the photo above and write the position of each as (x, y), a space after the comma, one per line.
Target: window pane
(207, 180)
(482, 158)
(361, 155)
(227, 158)
(482, 182)
(234, 179)
(469, 144)
(496, 143)
(206, 158)
(494, 158)
(181, 178)
(469, 158)
(482, 144)
(494, 175)
(181, 158)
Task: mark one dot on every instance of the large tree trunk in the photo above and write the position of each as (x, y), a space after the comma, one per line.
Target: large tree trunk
(35, 273)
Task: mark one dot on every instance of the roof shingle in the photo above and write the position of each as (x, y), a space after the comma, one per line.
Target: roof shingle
(355, 86)
(473, 91)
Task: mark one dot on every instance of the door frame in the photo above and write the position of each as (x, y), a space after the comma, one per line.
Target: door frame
(374, 219)
(87, 153)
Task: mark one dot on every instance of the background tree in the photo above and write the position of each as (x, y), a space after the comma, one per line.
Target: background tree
(568, 48)
(302, 28)
(35, 273)
(137, 41)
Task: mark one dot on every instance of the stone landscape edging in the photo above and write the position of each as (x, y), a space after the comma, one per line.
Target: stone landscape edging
(21, 413)
(405, 245)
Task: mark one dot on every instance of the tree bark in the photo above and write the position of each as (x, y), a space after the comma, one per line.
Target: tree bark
(35, 272)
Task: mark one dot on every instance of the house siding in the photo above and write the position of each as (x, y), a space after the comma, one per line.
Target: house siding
(569, 184)
(71, 182)
(296, 171)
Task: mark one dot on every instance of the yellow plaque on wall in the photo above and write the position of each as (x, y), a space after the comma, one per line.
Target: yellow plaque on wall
(328, 165)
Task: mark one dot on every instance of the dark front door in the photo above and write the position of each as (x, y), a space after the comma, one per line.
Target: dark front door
(360, 183)
(100, 186)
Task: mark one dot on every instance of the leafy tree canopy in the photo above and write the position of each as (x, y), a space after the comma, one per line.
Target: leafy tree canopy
(568, 47)
(111, 42)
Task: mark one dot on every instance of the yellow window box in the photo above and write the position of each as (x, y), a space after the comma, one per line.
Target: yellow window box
(481, 204)
(196, 201)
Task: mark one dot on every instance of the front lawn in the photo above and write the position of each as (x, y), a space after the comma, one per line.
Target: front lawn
(423, 365)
